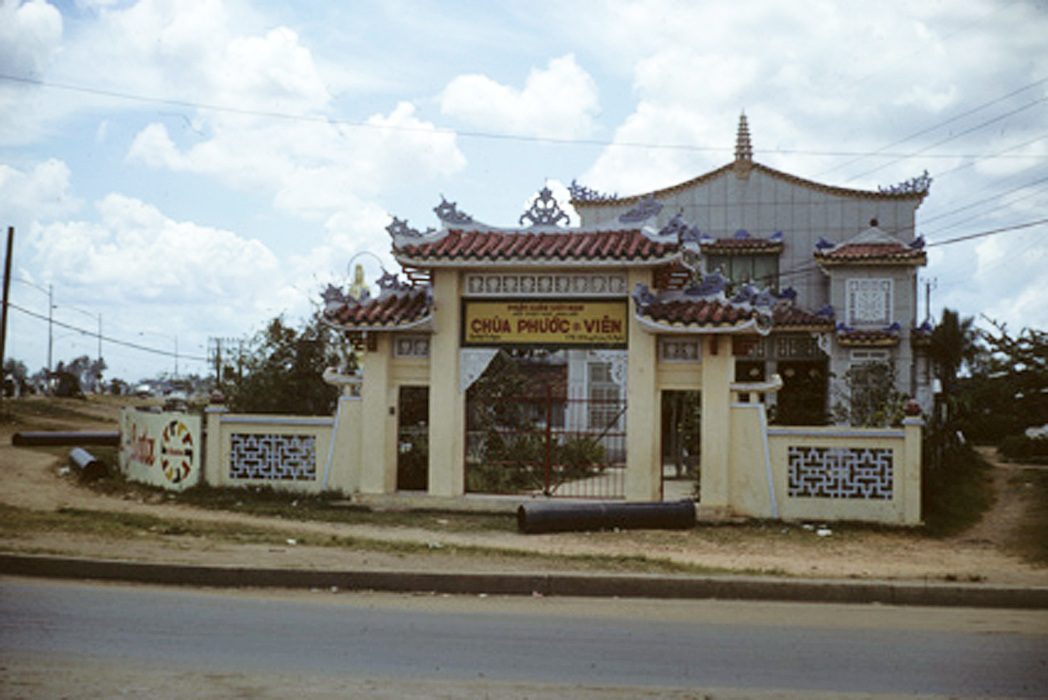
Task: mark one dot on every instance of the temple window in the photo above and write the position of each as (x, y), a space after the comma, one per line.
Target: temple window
(762, 271)
(869, 302)
(411, 346)
(604, 408)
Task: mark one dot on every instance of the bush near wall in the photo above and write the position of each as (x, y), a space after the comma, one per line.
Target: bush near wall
(1019, 448)
(957, 493)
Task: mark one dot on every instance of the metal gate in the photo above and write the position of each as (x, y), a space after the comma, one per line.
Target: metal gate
(552, 445)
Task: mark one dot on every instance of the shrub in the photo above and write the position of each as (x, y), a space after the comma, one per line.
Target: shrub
(1019, 448)
(955, 495)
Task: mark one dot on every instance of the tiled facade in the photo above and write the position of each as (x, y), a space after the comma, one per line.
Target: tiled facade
(828, 247)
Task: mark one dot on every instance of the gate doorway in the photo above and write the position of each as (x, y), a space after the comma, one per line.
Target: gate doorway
(413, 438)
(802, 398)
(681, 443)
(547, 421)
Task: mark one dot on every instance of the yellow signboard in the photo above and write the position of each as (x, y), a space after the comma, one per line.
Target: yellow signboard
(593, 323)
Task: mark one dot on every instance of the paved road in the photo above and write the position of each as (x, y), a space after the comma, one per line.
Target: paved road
(321, 637)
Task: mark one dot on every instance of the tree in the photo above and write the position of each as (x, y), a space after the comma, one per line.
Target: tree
(281, 371)
(87, 371)
(1008, 388)
(15, 376)
(65, 383)
(869, 398)
(953, 343)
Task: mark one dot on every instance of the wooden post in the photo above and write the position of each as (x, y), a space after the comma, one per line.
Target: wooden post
(7, 294)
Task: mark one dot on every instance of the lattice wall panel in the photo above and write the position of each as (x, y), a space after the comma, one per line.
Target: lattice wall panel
(835, 472)
(273, 457)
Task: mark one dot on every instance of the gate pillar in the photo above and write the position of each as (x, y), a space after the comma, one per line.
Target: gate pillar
(717, 371)
(447, 402)
(643, 424)
(378, 451)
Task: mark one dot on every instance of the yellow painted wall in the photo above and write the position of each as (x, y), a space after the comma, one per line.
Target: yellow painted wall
(378, 421)
(750, 491)
(902, 508)
(346, 459)
(221, 427)
(643, 421)
(717, 368)
(680, 376)
(447, 405)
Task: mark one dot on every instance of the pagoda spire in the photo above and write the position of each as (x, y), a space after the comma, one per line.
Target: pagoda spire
(743, 149)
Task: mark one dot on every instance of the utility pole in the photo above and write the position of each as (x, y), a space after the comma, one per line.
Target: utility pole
(929, 285)
(50, 333)
(7, 295)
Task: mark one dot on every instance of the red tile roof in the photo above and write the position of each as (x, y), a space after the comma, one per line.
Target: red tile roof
(706, 313)
(741, 246)
(872, 254)
(385, 312)
(716, 313)
(472, 246)
(881, 338)
(792, 318)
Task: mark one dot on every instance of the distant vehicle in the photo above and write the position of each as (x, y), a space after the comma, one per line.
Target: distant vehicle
(176, 401)
(144, 391)
(1040, 433)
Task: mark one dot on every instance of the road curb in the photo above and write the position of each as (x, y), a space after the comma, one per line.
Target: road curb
(528, 584)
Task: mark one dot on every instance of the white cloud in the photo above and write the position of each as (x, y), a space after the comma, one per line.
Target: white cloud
(196, 51)
(628, 170)
(811, 75)
(358, 230)
(39, 194)
(312, 168)
(136, 254)
(29, 36)
(558, 102)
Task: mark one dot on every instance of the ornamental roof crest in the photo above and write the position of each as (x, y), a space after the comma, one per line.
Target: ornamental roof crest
(545, 211)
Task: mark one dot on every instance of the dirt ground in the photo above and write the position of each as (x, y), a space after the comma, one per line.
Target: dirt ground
(32, 480)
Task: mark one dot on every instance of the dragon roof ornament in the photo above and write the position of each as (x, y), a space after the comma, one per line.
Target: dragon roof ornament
(448, 213)
(645, 209)
(581, 193)
(915, 185)
(704, 305)
(403, 235)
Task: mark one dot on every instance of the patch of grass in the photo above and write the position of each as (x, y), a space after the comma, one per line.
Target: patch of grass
(116, 526)
(335, 508)
(1031, 535)
(113, 525)
(956, 495)
(29, 411)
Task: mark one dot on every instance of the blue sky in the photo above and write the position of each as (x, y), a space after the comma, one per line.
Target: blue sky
(192, 168)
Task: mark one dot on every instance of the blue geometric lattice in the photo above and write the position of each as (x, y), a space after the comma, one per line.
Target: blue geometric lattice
(840, 472)
(273, 457)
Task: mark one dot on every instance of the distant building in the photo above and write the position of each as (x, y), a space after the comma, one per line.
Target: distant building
(841, 264)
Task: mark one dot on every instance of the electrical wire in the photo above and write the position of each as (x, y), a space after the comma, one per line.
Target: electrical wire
(935, 127)
(881, 153)
(986, 123)
(1032, 193)
(808, 267)
(106, 338)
